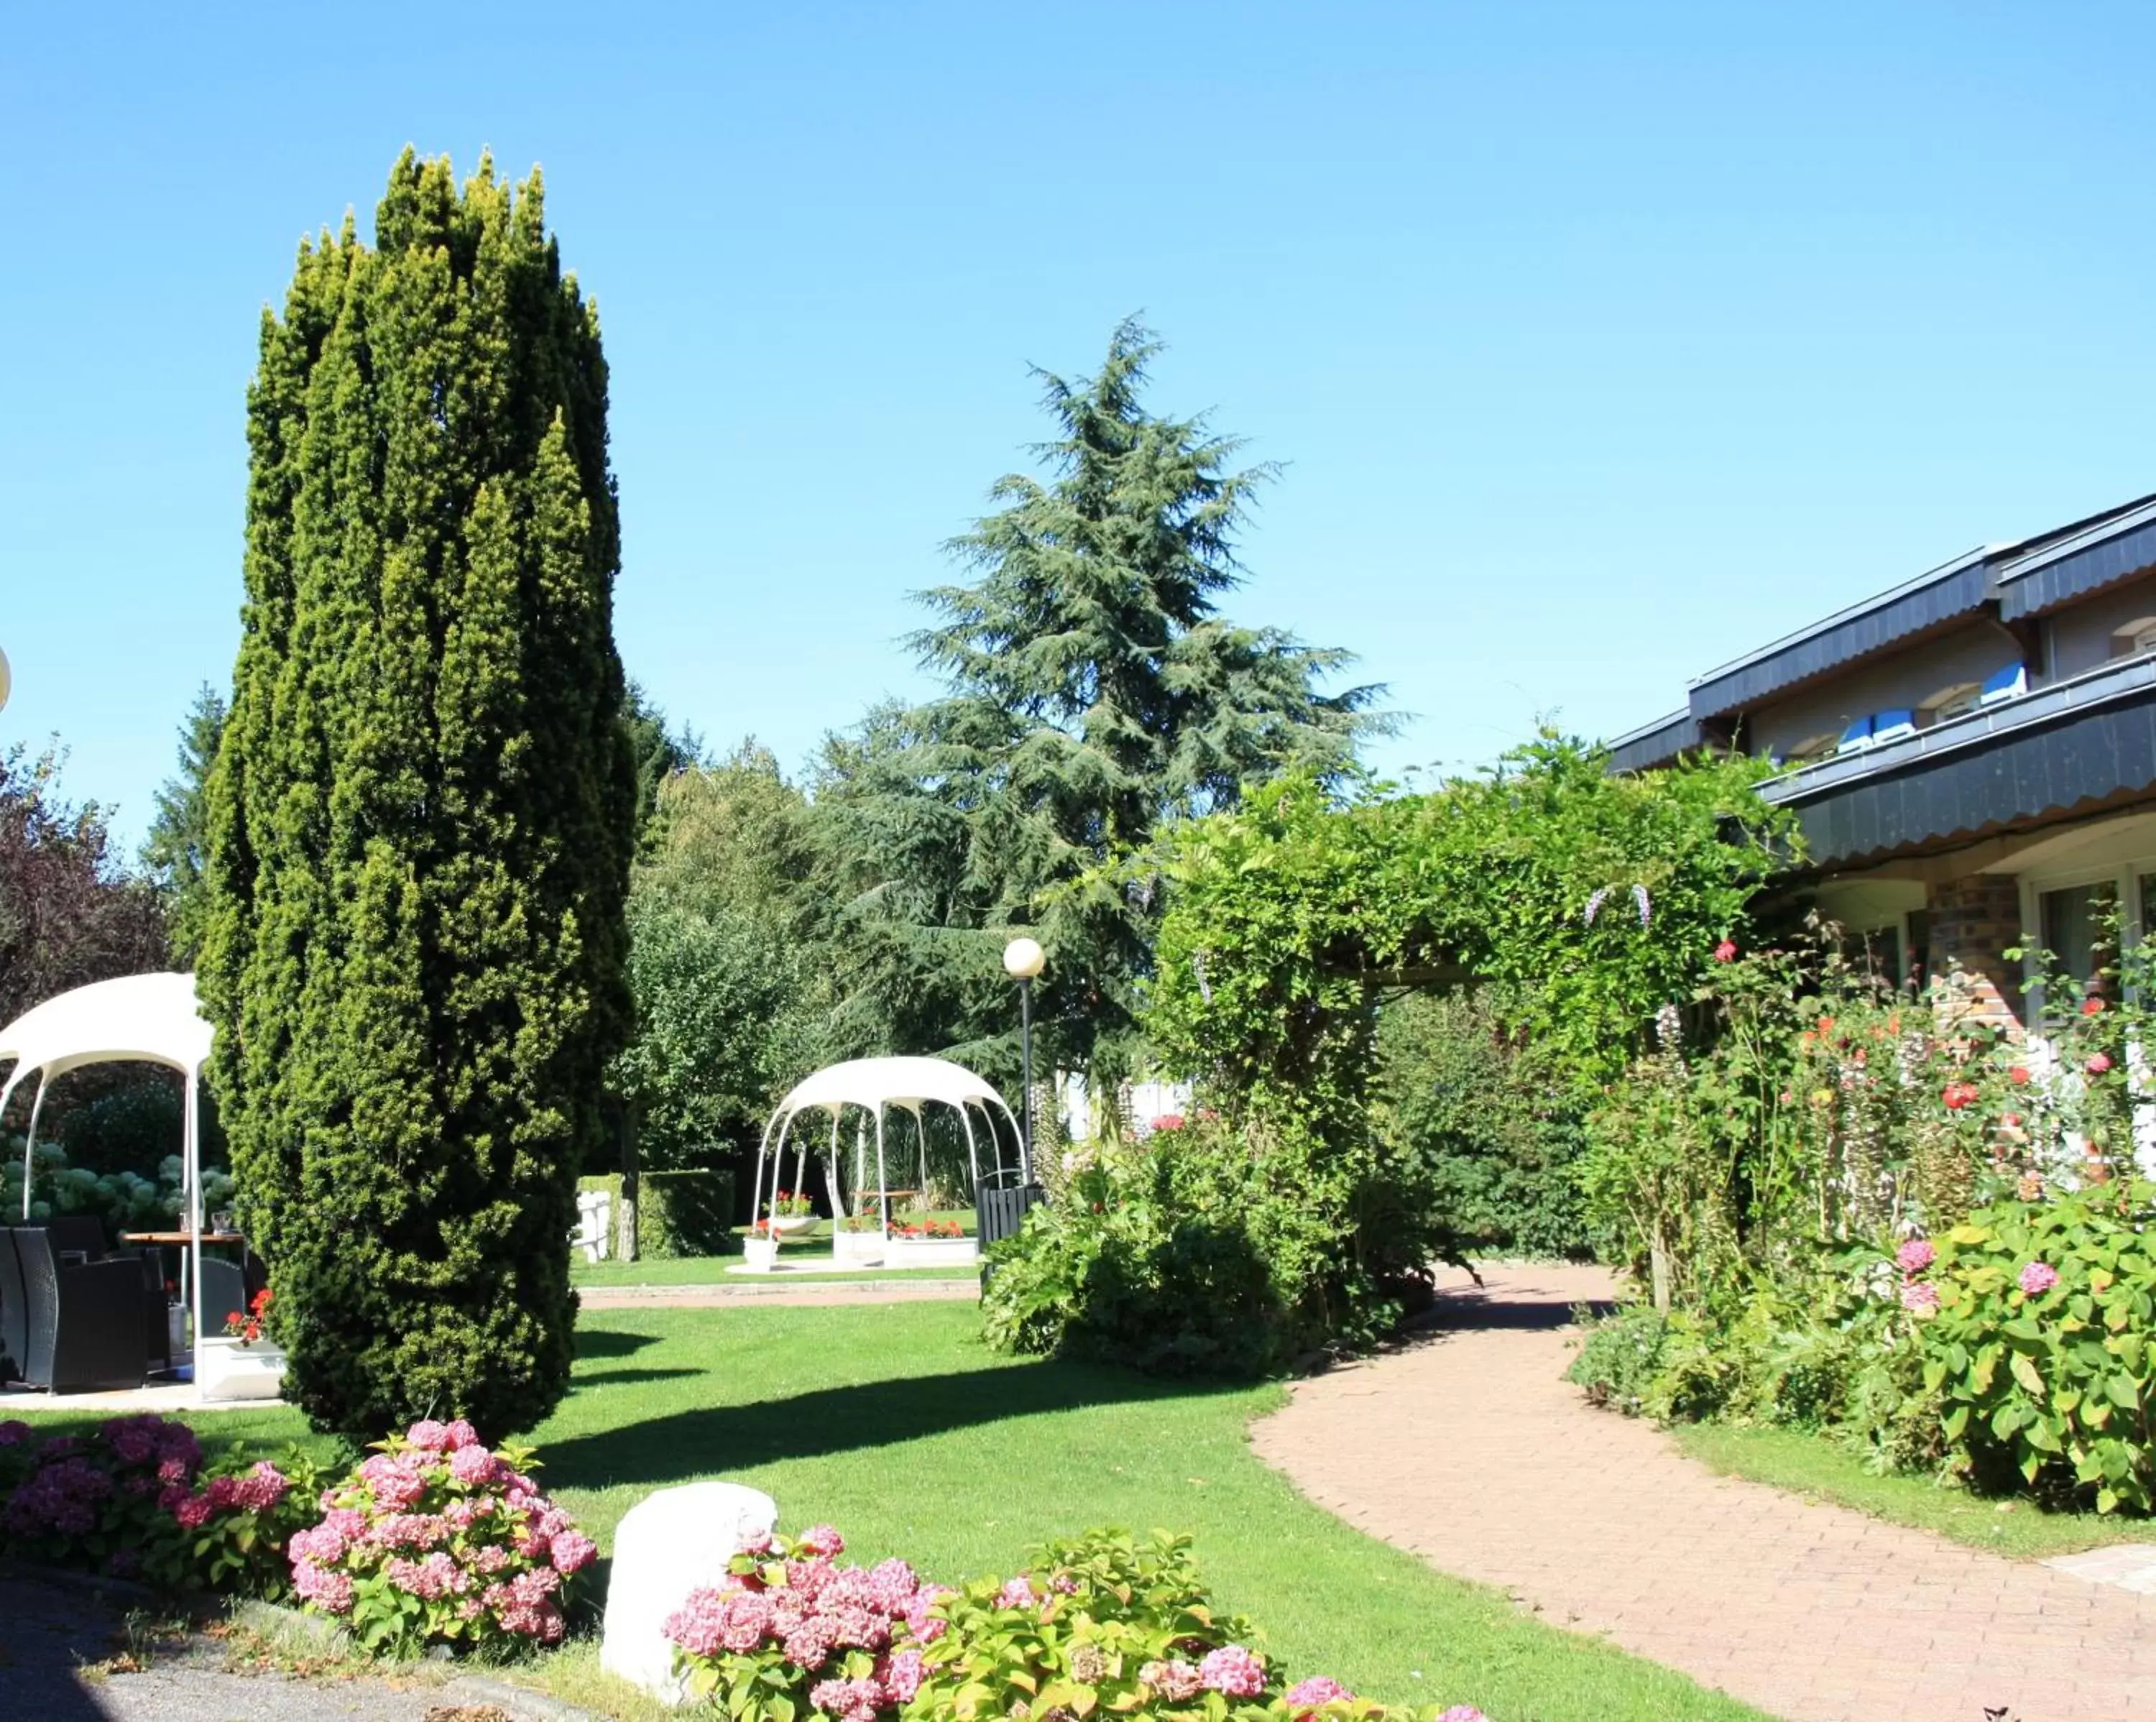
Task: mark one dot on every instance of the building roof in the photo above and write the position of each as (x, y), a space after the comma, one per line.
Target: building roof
(2022, 578)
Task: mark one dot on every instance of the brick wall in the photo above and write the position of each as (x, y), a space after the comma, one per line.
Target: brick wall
(1972, 923)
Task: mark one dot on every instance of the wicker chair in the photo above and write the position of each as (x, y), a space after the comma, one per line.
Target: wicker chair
(14, 1312)
(86, 1321)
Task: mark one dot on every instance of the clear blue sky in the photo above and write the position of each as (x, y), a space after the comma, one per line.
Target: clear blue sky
(1601, 342)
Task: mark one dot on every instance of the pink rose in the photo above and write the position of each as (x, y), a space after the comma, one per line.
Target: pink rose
(2098, 1063)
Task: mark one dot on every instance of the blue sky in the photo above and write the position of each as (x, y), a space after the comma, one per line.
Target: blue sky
(1601, 341)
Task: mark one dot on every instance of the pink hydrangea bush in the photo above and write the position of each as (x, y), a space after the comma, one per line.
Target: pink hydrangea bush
(791, 1623)
(96, 1501)
(1102, 1625)
(134, 1499)
(436, 1539)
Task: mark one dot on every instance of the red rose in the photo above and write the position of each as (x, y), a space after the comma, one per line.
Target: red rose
(2091, 1007)
(2018, 1074)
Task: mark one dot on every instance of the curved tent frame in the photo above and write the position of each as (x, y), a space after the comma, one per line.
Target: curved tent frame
(873, 1085)
(149, 1019)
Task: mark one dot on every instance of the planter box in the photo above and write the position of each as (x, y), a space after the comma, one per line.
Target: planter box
(225, 1368)
(857, 1249)
(931, 1252)
(761, 1253)
(786, 1225)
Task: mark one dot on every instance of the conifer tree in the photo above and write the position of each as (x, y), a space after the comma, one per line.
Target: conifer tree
(1096, 691)
(172, 851)
(423, 811)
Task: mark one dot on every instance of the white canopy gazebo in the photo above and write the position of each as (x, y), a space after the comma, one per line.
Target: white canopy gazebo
(151, 1018)
(873, 1086)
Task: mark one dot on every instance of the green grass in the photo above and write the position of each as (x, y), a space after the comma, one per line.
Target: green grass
(1815, 1466)
(896, 1424)
(712, 1271)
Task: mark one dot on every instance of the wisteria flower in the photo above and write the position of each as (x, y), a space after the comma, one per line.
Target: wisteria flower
(2037, 1278)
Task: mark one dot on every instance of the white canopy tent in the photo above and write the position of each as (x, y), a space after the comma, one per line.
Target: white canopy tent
(152, 1018)
(873, 1085)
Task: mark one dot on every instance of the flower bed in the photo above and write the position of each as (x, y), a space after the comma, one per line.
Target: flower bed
(436, 1539)
(135, 1500)
(1102, 1624)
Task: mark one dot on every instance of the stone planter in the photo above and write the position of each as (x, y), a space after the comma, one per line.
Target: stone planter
(786, 1225)
(932, 1252)
(226, 1369)
(761, 1253)
(857, 1249)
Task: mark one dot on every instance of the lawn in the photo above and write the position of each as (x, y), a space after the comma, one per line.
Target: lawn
(896, 1424)
(713, 1271)
(1814, 1465)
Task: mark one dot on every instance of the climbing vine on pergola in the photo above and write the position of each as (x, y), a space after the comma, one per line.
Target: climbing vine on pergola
(1601, 898)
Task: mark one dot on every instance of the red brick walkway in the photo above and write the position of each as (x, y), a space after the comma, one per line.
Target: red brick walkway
(1469, 1449)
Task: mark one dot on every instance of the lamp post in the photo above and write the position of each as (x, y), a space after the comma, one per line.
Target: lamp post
(1022, 960)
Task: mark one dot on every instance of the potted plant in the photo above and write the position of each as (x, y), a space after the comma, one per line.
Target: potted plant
(245, 1363)
(760, 1247)
(791, 1212)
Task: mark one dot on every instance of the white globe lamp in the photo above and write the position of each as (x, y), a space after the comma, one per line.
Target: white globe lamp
(1022, 961)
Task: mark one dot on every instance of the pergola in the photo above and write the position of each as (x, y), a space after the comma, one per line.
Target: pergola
(152, 1019)
(873, 1085)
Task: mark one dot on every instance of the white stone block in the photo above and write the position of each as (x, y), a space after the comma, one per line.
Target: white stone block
(668, 1544)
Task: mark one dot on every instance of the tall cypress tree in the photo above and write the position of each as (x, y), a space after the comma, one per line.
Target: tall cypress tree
(422, 815)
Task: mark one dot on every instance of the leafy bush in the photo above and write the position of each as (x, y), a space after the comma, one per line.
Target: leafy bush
(2039, 1329)
(436, 1540)
(1100, 1625)
(132, 1499)
(1484, 1112)
(1196, 1251)
(678, 1214)
(1620, 1357)
(123, 1201)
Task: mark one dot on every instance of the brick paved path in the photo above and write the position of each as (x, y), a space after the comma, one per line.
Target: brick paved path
(1469, 1449)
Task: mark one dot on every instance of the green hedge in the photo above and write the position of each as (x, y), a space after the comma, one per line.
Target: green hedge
(678, 1213)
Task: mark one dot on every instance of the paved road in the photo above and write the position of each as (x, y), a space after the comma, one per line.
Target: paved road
(1469, 1449)
(57, 1646)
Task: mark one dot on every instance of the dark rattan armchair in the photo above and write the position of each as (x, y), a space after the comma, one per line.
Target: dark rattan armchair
(85, 1320)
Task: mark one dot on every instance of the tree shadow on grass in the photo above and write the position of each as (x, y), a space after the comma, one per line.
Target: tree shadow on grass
(685, 1445)
(609, 1342)
(597, 1378)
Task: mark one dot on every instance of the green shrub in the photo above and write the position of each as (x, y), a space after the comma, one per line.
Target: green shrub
(1199, 1251)
(1620, 1357)
(678, 1214)
(2043, 1343)
(1482, 1111)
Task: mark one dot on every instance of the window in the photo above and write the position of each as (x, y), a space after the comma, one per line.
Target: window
(2131, 639)
(2074, 925)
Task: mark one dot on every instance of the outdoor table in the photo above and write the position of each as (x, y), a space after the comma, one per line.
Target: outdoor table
(180, 1239)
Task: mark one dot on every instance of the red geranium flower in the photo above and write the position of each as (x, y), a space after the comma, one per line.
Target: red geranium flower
(2091, 1006)
(2018, 1074)
(1957, 1095)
